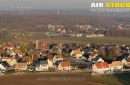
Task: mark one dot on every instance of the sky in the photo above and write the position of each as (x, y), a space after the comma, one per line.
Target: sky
(51, 4)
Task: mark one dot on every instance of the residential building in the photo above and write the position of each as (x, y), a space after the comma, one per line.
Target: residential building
(64, 66)
(92, 56)
(100, 67)
(42, 65)
(11, 61)
(50, 61)
(126, 61)
(57, 58)
(76, 53)
(116, 65)
(21, 66)
(97, 60)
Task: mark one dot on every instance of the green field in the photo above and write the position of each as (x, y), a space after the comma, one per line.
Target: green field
(72, 79)
(108, 40)
(115, 79)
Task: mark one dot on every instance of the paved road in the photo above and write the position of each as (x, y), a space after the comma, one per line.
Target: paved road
(67, 72)
(57, 72)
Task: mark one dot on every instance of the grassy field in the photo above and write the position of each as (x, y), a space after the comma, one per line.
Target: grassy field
(72, 79)
(108, 40)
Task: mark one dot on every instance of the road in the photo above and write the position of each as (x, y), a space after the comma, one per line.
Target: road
(67, 72)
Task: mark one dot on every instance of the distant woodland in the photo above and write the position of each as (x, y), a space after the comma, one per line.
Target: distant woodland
(110, 25)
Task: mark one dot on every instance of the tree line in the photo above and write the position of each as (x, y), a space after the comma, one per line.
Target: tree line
(30, 22)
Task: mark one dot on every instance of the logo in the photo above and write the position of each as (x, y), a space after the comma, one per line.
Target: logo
(97, 5)
(110, 7)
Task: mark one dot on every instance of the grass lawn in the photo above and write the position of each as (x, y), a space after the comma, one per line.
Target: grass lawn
(108, 40)
(116, 79)
(72, 79)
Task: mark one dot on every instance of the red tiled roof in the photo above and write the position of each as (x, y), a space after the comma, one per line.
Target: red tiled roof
(35, 54)
(5, 47)
(40, 45)
(64, 64)
(105, 64)
(19, 52)
(99, 65)
(59, 56)
(46, 47)
(102, 65)
(11, 45)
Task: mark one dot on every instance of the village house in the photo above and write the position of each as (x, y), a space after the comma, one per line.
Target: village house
(21, 66)
(115, 66)
(35, 54)
(92, 56)
(126, 61)
(76, 53)
(64, 66)
(50, 61)
(57, 58)
(97, 59)
(46, 48)
(42, 65)
(15, 49)
(9, 60)
(100, 67)
(19, 53)
(12, 53)
(6, 47)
